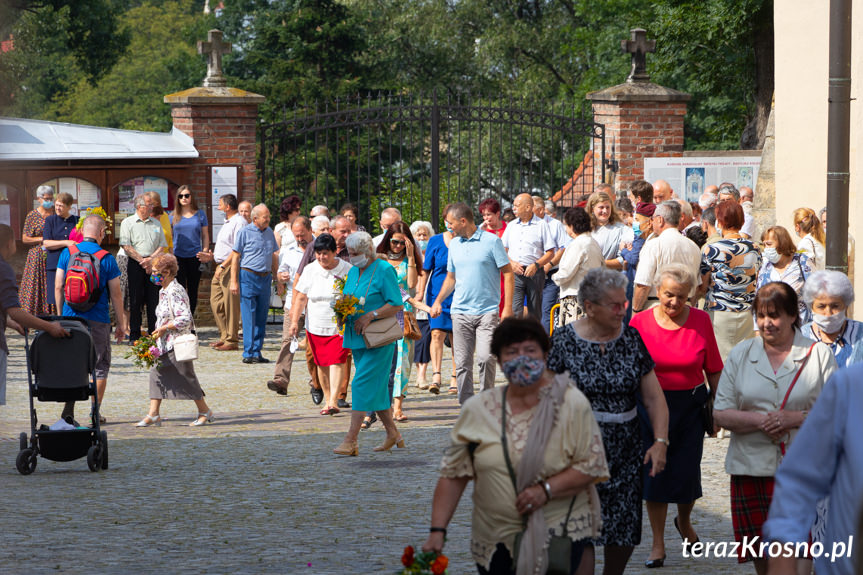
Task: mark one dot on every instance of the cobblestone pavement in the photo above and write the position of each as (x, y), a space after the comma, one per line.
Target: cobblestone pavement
(259, 490)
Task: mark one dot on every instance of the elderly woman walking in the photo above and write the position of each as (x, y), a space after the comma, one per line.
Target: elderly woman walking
(608, 361)
(581, 256)
(172, 379)
(374, 283)
(766, 390)
(535, 452)
(681, 342)
(829, 294)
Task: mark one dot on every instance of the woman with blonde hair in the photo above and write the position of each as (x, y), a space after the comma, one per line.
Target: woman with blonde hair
(191, 235)
(808, 228)
(607, 228)
(159, 213)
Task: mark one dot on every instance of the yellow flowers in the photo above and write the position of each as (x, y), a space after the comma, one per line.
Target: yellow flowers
(99, 211)
(344, 305)
(144, 352)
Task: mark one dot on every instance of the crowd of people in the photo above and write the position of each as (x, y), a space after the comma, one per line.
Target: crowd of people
(627, 328)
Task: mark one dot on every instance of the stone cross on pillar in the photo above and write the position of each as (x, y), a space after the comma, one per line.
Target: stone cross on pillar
(638, 45)
(214, 48)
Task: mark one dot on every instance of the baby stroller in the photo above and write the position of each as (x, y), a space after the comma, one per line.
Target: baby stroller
(60, 370)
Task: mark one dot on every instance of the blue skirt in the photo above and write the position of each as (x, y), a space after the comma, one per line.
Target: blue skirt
(442, 322)
(422, 350)
(370, 386)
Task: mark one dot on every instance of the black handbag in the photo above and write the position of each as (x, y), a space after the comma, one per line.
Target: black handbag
(707, 415)
(559, 546)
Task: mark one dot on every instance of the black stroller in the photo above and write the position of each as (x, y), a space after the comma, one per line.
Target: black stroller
(61, 370)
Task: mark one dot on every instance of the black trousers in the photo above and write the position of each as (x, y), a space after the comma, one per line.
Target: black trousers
(189, 276)
(141, 292)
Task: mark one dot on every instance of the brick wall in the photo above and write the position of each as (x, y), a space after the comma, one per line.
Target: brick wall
(640, 129)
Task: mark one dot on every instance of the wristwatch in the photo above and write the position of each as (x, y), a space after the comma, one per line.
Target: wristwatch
(375, 314)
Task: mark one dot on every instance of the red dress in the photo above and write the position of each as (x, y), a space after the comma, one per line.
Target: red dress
(499, 233)
(33, 295)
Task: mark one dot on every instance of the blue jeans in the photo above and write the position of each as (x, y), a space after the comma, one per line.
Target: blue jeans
(550, 296)
(254, 306)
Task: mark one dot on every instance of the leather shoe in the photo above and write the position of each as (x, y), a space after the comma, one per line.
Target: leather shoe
(655, 563)
(273, 385)
(343, 404)
(317, 395)
(249, 360)
(260, 359)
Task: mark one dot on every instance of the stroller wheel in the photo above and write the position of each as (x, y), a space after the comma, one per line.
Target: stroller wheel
(94, 457)
(22, 441)
(26, 461)
(104, 436)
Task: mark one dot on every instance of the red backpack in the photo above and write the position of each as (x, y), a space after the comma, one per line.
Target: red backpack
(81, 289)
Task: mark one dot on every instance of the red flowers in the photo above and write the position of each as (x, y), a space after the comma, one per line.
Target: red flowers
(438, 566)
(423, 563)
(408, 556)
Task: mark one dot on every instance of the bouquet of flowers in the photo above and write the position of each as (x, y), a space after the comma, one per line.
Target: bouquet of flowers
(77, 235)
(144, 353)
(423, 563)
(345, 305)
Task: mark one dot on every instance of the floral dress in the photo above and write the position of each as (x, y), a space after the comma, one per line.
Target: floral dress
(171, 379)
(405, 350)
(609, 374)
(33, 296)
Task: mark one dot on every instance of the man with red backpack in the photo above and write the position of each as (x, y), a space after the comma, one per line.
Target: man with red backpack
(86, 275)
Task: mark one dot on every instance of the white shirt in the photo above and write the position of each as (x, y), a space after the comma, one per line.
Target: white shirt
(289, 261)
(558, 232)
(609, 237)
(671, 247)
(582, 255)
(225, 239)
(285, 233)
(318, 284)
(526, 242)
(378, 239)
(748, 228)
(813, 249)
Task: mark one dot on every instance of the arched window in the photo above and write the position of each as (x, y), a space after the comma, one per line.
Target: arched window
(85, 194)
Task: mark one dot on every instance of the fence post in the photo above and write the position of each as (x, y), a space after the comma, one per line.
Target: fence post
(435, 163)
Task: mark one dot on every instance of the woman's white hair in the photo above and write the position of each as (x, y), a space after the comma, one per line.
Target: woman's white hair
(320, 222)
(598, 282)
(361, 242)
(43, 190)
(422, 224)
(828, 283)
(678, 273)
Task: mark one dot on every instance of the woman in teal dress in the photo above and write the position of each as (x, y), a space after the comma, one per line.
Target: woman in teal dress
(375, 284)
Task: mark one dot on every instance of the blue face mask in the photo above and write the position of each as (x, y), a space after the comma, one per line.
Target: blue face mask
(423, 244)
(636, 228)
(47, 204)
(156, 278)
(447, 226)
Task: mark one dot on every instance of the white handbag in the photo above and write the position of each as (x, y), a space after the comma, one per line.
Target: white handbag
(275, 300)
(186, 345)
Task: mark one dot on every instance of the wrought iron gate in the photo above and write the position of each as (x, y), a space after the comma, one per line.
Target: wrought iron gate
(417, 153)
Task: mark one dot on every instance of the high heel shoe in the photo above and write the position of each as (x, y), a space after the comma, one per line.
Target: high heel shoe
(347, 448)
(208, 418)
(655, 563)
(389, 442)
(434, 388)
(150, 421)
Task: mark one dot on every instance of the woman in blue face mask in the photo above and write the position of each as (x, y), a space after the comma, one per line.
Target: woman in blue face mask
(33, 293)
(828, 294)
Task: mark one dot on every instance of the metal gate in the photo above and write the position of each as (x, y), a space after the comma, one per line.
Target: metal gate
(418, 153)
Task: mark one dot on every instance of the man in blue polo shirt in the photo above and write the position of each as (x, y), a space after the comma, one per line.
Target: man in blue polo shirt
(98, 317)
(255, 257)
(476, 260)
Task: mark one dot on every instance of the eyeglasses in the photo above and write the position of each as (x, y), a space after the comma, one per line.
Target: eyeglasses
(616, 307)
(397, 242)
(181, 196)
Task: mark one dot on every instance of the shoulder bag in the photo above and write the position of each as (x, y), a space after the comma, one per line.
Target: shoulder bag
(559, 546)
(382, 331)
(185, 345)
(412, 328)
(790, 387)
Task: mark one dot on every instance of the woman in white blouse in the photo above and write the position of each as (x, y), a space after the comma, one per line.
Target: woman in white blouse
(169, 378)
(608, 229)
(581, 255)
(811, 233)
(315, 293)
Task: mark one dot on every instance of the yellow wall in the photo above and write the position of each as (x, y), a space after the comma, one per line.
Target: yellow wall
(802, 50)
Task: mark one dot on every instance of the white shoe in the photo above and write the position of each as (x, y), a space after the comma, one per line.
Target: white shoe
(208, 419)
(150, 421)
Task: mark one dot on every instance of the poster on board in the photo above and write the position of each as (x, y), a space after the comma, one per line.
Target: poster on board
(688, 176)
(223, 180)
(158, 185)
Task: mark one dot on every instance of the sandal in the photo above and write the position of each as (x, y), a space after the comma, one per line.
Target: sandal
(368, 421)
(400, 417)
(325, 411)
(434, 388)
(453, 385)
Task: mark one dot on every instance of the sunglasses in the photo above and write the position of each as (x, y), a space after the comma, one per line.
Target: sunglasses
(397, 242)
(181, 196)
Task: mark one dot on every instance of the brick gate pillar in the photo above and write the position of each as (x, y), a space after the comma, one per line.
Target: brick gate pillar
(641, 119)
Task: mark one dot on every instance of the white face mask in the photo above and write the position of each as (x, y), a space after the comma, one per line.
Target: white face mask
(829, 323)
(771, 255)
(359, 261)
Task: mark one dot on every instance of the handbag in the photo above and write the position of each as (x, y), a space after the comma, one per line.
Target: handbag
(275, 300)
(707, 415)
(559, 546)
(412, 328)
(185, 345)
(382, 331)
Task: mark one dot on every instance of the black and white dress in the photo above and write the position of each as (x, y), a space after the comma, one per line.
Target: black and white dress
(609, 374)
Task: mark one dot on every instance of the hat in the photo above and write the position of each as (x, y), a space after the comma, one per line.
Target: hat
(645, 209)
